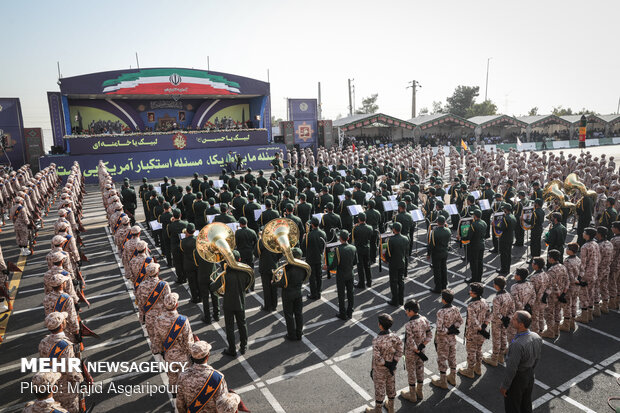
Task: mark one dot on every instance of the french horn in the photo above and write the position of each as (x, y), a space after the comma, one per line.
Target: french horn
(215, 243)
(280, 236)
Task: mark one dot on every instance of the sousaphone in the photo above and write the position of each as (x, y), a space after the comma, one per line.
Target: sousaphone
(280, 236)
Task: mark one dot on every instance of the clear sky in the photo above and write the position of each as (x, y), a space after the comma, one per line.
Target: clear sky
(544, 53)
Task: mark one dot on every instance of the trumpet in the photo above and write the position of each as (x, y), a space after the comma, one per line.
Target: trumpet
(215, 243)
(279, 236)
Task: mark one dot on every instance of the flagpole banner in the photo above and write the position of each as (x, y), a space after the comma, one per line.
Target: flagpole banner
(145, 142)
(158, 164)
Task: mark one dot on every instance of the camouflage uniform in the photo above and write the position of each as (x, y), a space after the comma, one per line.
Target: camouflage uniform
(558, 284)
(572, 264)
(523, 293)
(540, 281)
(191, 382)
(614, 272)
(179, 350)
(606, 250)
(136, 265)
(121, 234)
(503, 306)
(73, 324)
(590, 257)
(417, 331)
(129, 249)
(66, 263)
(20, 219)
(478, 314)
(70, 401)
(67, 287)
(386, 347)
(446, 343)
(142, 293)
(44, 406)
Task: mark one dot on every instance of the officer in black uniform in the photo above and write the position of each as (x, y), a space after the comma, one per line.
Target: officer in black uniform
(396, 256)
(195, 183)
(292, 304)
(130, 202)
(176, 227)
(238, 202)
(224, 216)
(205, 270)
(198, 208)
(475, 248)
(345, 214)
(303, 209)
(437, 252)
(507, 226)
(190, 266)
(314, 245)
(556, 237)
(330, 221)
(361, 236)
(538, 218)
(344, 260)
(165, 219)
(268, 214)
(373, 218)
(248, 212)
(267, 262)
(187, 201)
(246, 240)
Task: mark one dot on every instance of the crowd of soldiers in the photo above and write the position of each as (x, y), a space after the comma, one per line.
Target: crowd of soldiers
(357, 206)
(170, 333)
(63, 286)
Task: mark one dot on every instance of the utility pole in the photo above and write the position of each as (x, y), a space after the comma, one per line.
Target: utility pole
(208, 64)
(319, 106)
(414, 85)
(350, 101)
(486, 87)
(60, 75)
(137, 63)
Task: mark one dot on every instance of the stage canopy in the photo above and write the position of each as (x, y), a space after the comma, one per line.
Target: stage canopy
(376, 125)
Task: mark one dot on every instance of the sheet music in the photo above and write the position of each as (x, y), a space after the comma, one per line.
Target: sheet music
(155, 225)
(451, 208)
(392, 197)
(368, 196)
(157, 188)
(341, 197)
(363, 171)
(355, 209)
(484, 204)
(210, 218)
(217, 183)
(318, 216)
(390, 205)
(233, 225)
(417, 215)
(475, 194)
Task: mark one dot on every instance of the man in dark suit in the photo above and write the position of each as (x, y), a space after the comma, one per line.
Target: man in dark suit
(303, 209)
(190, 267)
(234, 306)
(292, 303)
(330, 221)
(246, 240)
(345, 214)
(344, 261)
(361, 236)
(267, 262)
(314, 245)
(176, 227)
(248, 212)
(396, 256)
(198, 208)
(268, 214)
(507, 225)
(538, 218)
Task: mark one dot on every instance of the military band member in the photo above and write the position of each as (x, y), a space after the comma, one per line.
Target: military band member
(268, 214)
(234, 306)
(496, 207)
(387, 349)
(556, 237)
(292, 304)
(507, 225)
(330, 221)
(585, 211)
(267, 262)
(314, 246)
(475, 248)
(437, 252)
(344, 260)
(361, 236)
(538, 218)
(518, 212)
(174, 229)
(187, 246)
(373, 218)
(198, 209)
(418, 334)
(201, 387)
(205, 270)
(447, 328)
(396, 255)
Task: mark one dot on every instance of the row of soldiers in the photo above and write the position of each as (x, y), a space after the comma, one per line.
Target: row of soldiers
(169, 331)
(26, 196)
(63, 287)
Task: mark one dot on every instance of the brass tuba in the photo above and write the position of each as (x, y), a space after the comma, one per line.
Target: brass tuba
(572, 184)
(215, 243)
(553, 192)
(279, 236)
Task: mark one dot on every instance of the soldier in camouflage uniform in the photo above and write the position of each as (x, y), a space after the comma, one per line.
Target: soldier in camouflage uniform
(478, 317)
(418, 334)
(588, 273)
(21, 222)
(448, 322)
(523, 295)
(129, 246)
(57, 300)
(194, 379)
(45, 401)
(57, 268)
(52, 346)
(503, 309)
(137, 261)
(558, 284)
(541, 283)
(614, 276)
(606, 249)
(572, 264)
(121, 233)
(173, 335)
(387, 349)
(147, 293)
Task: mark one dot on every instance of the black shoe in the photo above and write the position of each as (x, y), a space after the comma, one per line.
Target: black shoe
(216, 317)
(349, 316)
(230, 353)
(518, 245)
(469, 280)
(289, 338)
(341, 316)
(392, 303)
(196, 300)
(206, 320)
(434, 291)
(368, 284)
(311, 297)
(263, 308)
(242, 349)
(360, 285)
(493, 251)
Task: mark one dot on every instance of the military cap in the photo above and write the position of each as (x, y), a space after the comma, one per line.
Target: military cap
(58, 279)
(54, 319)
(200, 349)
(152, 269)
(478, 213)
(136, 229)
(440, 204)
(58, 239)
(45, 380)
(477, 288)
(171, 301)
(397, 226)
(441, 220)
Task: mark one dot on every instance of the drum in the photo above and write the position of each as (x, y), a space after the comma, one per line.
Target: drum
(464, 228)
(527, 216)
(497, 219)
